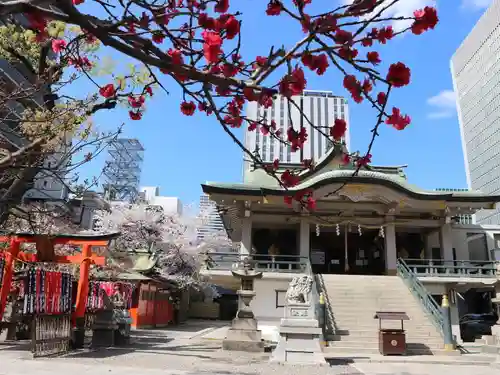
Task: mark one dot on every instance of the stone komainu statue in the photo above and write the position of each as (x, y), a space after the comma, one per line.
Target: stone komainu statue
(299, 290)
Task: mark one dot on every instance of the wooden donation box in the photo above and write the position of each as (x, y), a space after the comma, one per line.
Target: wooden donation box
(391, 341)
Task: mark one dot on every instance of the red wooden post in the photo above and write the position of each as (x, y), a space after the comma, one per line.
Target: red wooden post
(10, 257)
(83, 282)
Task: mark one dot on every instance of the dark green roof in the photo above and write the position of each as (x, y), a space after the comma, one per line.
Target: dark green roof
(347, 176)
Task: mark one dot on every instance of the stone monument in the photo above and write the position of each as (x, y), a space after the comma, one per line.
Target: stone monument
(243, 334)
(300, 333)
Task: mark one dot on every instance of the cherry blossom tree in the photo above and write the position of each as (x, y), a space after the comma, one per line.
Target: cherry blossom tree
(196, 46)
(43, 219)
(44, 131)
(172, 240)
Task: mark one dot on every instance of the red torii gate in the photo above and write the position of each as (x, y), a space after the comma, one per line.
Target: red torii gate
(45, 253)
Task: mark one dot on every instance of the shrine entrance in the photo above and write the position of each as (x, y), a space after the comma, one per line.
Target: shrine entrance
(348, 250)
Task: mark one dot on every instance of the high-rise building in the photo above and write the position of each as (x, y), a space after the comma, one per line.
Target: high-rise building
(321, 108)
(213, 222)
(49, 183)
(475, 69)
(123, 170)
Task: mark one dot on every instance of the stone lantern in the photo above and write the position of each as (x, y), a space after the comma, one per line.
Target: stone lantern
(243, 334)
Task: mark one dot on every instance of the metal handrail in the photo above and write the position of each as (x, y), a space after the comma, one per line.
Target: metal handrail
(422, 295)
(315, 291)
(330, 324)
(262, 262)
(453, 268)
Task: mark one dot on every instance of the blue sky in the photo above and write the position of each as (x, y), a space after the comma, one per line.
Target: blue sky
(183, 152)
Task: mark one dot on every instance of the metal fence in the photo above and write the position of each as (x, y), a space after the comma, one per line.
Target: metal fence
(266, 263)
(453, 268)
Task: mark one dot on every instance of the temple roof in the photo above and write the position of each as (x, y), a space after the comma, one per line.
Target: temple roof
(330, 171)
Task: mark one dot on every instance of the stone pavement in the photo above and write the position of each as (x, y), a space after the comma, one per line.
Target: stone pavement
(422, 369)
(183, 352)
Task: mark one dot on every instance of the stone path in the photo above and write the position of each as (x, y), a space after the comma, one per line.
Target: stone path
(184, 352)
(422, 369)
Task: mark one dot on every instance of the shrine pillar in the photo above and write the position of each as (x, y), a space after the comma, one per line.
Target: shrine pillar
(246, 236)
(446, 241)
(10, 257)
(81, 297)
(391, 255)
(304, 238)
(83, 282)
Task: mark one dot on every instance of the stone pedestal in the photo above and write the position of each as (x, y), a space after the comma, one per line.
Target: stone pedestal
(300, 337)
(103, 330)
(244, 336)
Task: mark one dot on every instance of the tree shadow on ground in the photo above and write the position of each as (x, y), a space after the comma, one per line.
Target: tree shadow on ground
(23, 345)
(149, 344)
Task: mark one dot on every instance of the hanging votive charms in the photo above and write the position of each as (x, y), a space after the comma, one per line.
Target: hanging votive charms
(381, 232)
(359, 230)
(317, 230)
(337, 229)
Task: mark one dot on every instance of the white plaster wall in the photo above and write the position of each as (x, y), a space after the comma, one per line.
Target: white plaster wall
(264, 303)
(435, 288)
(459, 239)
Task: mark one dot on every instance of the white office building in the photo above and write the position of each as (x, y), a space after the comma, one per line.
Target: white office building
(151, 195)
(475, 68)
(321, 108)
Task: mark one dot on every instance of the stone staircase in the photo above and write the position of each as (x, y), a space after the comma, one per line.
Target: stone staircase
(352, 301)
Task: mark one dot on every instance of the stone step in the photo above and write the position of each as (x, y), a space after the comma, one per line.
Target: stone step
(364, 289)
(376, 304)
(371, 310)
(430, 332)
(398, 302)
(372, 322)
(331, 351)
(368, 325)
(374, 344)
(374, 339)
(356, 277)
(388, 292)
(352, 316)
(335, 300)
(398, 285)
(360, 332)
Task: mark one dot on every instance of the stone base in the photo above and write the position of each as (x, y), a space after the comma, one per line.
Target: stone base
(243, 346)
(103, 338)
(300, 343)
(492, 345)
(243, 336)
(391, 272)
